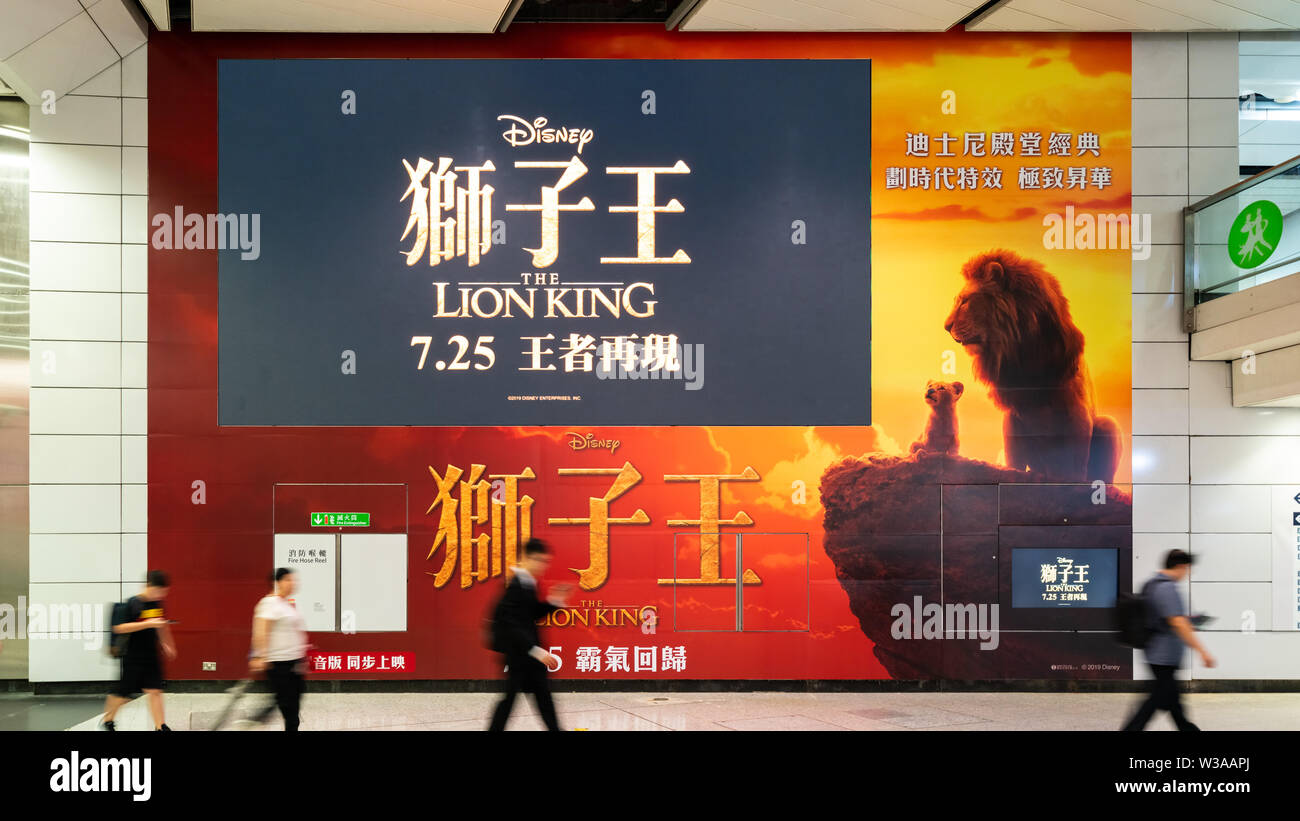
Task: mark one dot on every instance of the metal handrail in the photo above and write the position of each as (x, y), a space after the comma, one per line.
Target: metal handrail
(1249, 182)
(1288, 261)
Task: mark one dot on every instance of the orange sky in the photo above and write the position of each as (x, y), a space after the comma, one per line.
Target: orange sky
(1043, 85)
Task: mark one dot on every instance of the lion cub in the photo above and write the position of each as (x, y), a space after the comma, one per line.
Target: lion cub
(941, 431)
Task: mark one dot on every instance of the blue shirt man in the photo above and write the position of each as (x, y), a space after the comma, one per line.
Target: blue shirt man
(1170, 630)
(1164, 602)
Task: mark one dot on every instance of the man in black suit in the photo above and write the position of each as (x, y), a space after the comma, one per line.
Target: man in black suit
(514, 634)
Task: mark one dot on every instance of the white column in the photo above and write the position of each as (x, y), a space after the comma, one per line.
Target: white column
(89, 336)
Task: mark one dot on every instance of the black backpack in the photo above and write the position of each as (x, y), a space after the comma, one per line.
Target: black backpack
(117, 641)
(493, 625)
(1132, 618)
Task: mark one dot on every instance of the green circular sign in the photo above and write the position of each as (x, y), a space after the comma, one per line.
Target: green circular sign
(1254, 234)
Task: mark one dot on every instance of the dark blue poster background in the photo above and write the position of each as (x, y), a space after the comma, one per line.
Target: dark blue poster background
(771, 314)
(1056, 577)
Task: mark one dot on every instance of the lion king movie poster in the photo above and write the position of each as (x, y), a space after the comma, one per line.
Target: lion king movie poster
(889, 303)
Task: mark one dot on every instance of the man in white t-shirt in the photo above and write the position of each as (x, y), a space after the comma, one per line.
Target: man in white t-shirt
(280, 647)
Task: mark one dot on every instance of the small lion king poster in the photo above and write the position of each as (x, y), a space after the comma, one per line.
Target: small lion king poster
(979, 528)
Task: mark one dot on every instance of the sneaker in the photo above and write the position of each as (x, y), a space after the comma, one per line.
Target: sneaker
(108, 726)
(163, 728)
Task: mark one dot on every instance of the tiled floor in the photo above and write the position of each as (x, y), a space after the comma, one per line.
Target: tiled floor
(697, 711)
(19, 711)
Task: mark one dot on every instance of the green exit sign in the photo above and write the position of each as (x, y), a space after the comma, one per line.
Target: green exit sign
(340, 520)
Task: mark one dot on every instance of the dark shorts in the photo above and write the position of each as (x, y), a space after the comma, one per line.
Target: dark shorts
(138, 676)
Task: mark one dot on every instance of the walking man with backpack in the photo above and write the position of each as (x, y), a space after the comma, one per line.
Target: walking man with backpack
(1168, 629)
(140, 636)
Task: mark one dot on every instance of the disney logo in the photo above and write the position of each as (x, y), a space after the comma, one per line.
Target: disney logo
(522, 132)
(589, 442)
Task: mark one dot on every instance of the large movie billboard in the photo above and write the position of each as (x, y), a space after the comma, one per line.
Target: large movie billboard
(906, 314)
(546, 242)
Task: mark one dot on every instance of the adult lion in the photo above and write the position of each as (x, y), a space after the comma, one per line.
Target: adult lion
(1013, 319)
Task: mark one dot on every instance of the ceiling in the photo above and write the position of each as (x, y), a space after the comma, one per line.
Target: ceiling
(484, 16)
(829, 15)
(1142, 15)
(59, 45)
(1268, 118)
(346, 15)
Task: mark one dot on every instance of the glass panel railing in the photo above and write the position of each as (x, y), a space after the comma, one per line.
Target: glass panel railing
(1243, 236)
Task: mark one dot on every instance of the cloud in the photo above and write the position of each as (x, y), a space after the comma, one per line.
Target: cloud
(692, 604)
(959, 212)
(780, 561)
(1115, 203)
(885, 443)
(1098, 54)
(779, 480)
(1095, 56)
(554, 434)
(929, 51)
(717, 448)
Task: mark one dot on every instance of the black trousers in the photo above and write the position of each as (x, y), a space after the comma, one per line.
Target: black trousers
(1164, 696)
(287, 684)
(526, 674)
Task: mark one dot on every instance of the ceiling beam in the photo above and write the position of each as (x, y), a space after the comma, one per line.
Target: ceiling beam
(682, 13)
(159, 12)
(508, 16)
(978, 14)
